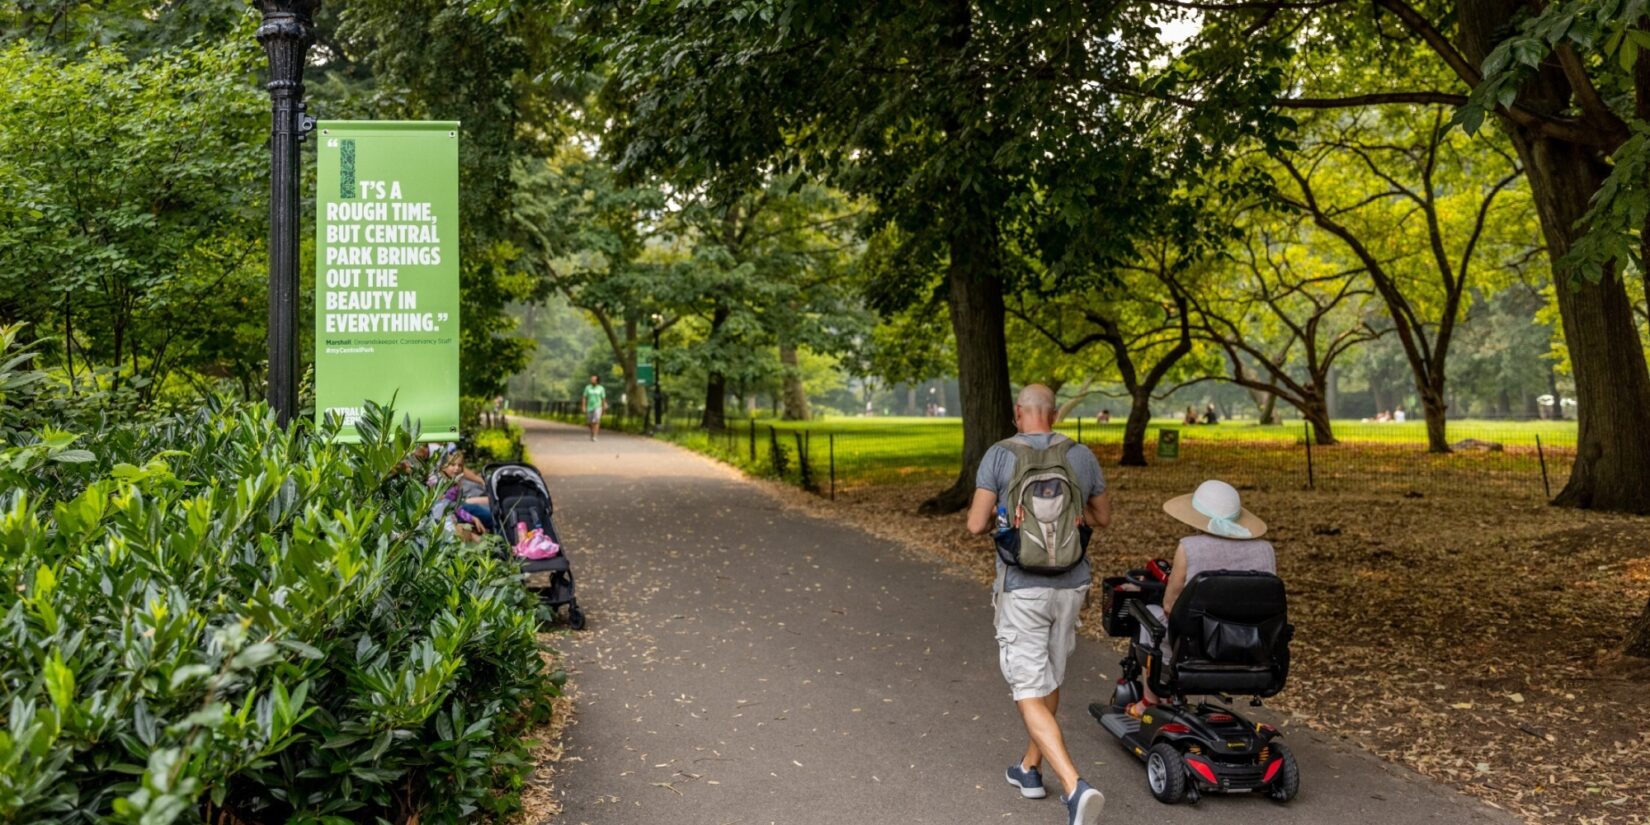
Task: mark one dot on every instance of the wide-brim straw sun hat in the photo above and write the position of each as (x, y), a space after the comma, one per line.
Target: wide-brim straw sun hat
(1216, 509)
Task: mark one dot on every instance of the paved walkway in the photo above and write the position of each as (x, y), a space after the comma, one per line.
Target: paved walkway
(745, 664)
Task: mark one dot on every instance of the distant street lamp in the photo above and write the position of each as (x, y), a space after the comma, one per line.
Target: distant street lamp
(658, 397)
(285, 35)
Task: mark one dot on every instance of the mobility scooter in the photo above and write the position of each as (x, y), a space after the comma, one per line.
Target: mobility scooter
(1228, 633)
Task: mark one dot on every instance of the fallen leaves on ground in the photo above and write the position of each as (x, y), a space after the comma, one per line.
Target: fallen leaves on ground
(1468, 637)
(539, 802)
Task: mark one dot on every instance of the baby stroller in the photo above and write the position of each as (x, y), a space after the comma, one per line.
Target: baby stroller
(518, 496)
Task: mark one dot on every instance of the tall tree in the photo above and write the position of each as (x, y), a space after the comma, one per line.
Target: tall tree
(767, 273)
(129, 208)
(960, 121)
(589, 234)
(1143, 324)
(1565, 86)
(1414, 175)
(1284, 318)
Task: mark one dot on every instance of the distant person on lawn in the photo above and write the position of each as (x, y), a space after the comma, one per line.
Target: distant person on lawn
(595, 403)
(1036, 615)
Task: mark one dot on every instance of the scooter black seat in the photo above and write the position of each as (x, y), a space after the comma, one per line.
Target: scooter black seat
(1229, 632)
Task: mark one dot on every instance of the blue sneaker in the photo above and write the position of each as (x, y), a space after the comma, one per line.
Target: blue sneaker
(1084, 804)
(1028, 780)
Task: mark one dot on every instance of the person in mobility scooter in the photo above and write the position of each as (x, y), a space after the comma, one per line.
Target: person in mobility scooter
(1221, 628)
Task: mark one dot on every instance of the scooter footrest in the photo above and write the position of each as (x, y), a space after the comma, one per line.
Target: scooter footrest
(1120, 724)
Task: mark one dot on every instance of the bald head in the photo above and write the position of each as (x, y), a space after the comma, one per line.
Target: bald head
(1034, 409)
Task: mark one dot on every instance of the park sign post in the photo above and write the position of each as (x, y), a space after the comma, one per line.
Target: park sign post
(386, 272)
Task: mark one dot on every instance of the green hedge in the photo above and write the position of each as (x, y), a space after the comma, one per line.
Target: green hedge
(211, 614)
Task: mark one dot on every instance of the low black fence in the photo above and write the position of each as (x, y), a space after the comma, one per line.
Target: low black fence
(1525, 459)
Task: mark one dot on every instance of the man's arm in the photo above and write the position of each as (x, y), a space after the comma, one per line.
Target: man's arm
(982, 512)
(1097, 511)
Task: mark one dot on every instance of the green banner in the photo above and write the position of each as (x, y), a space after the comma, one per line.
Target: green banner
(386, 272)
(645, 361)
(1168, 443)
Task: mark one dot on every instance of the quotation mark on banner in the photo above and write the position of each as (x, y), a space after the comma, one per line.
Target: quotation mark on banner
(346, 168)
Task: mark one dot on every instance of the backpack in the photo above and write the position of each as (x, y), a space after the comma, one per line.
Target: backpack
(1043, 498)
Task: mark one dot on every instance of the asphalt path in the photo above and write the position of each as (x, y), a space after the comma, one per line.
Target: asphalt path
(745, 663)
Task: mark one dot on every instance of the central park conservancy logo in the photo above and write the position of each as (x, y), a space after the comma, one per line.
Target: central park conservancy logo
(346, 168)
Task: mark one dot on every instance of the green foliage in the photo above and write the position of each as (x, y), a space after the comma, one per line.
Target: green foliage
(1605, 41)
(210, 613)
(482, 64)
(130, 209)
(499, 445)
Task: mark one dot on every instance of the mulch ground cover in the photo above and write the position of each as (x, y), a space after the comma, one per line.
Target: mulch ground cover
(1464, 632)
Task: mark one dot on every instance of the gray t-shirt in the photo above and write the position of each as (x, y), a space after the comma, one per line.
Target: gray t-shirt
(997, 470)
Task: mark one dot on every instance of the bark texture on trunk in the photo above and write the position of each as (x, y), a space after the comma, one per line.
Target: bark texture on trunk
(715, 416)
(796, 400)
(1266, 406)
(1434, 409)
(1316, 412)
(1638, 635)
(1134, 430)
(716, 384)
(1612, 466)
(975, 297)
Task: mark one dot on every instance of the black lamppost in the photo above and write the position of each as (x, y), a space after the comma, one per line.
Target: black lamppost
(285, 35)
(658, 397)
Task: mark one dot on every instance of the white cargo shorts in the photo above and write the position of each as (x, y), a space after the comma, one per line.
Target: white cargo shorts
(1036, 632)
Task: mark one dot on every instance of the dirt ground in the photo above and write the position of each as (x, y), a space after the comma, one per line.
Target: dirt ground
(1470, 638)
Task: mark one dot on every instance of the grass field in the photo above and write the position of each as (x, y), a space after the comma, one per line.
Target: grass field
(849, 452)
(1510, 433)
(854, 452)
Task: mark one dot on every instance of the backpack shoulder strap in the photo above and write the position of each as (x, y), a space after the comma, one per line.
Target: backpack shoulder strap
(1028, 458)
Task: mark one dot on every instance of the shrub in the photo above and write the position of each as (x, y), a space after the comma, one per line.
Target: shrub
(499, 445)
(212, 614)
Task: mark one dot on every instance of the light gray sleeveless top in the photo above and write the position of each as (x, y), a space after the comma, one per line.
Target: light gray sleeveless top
(1206, 552)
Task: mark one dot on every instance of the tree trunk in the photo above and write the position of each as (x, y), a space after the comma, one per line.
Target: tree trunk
(796, 400)
(976, 302)
(1434, 407)
(1557, 413)
(910, 399)
(635, 395)
(716, 384)
(1065, 409)
(1266, 406)
(1612, 464)
(1134, 431)
(716, 399)
(1332, 391)
(1638, 635)
(1316, 411)
(68, 337)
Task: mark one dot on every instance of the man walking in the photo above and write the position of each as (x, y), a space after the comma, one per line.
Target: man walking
(595, 403)
(1045, 482)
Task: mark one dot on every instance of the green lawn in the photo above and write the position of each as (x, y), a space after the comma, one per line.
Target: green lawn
(1509, 433)
(861, 451)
